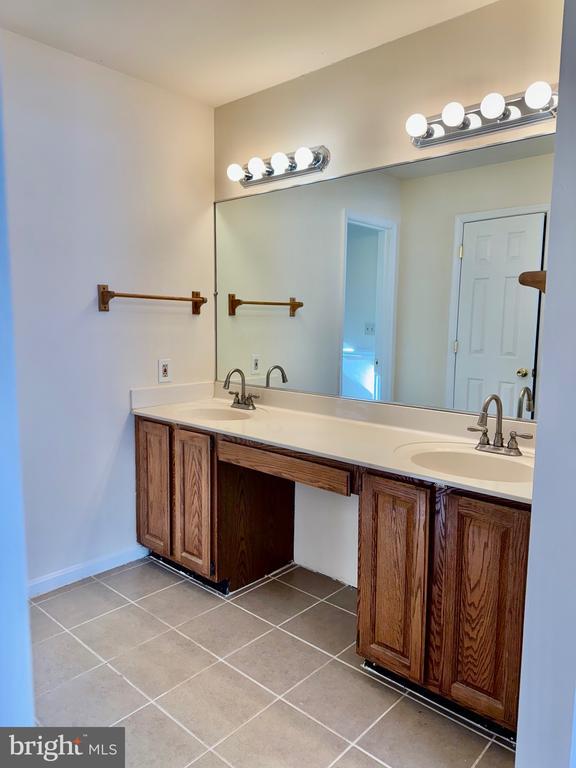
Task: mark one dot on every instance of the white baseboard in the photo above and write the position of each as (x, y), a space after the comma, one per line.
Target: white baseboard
(79, 571)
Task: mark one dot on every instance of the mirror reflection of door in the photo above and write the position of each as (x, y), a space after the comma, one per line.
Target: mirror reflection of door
(496, 346)
(367, 356)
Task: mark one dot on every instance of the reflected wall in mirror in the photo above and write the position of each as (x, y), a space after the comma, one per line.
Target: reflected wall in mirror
(408, 278)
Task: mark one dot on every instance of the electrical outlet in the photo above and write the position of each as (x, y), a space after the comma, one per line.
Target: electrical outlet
(369, 329)
(164, 371)
(256, 364)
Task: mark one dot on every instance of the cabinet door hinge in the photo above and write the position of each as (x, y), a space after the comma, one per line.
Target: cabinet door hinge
(461, 251)
(456, 345)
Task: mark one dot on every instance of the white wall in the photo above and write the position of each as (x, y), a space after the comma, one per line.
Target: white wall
(326, 533)
(549, 658)
(109, 180)
(16, 695)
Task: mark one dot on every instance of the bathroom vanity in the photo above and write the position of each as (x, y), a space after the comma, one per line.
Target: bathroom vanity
(442, 561)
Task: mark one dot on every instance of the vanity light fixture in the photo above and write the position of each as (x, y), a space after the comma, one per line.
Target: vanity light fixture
(494, 113)
(280, 166)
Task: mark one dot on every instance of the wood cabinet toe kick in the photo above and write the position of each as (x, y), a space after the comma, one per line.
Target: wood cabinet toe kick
(441, 572)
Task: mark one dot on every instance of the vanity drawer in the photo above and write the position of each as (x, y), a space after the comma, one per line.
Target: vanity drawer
(299, 470)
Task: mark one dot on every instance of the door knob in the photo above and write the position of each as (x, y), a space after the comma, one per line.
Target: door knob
(522, 372)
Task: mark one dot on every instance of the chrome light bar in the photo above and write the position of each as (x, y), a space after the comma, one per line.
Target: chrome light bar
(494, 113)
(280, 166)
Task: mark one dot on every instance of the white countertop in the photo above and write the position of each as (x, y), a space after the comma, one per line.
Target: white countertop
(376, 446)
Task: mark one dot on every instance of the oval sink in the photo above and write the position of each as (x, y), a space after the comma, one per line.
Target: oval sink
(464, 461)
(218, 414)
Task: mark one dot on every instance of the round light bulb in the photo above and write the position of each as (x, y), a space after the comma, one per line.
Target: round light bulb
(257, 167)
(514, 113)
(474, 121)
(417, 126)
(304, 158)
(453, 114)
(437, 130)
(279, 162)
(493, 106)
(538, 95)
(235, 172)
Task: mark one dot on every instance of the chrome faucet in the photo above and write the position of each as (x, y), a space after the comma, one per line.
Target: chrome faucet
(497, 446)
(282, 373)
(483, 418)
(525, 392)
(241, 399)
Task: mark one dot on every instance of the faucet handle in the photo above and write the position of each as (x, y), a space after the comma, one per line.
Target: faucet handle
(249, 401)
(513, 442)
(236, 396)
(484, 437)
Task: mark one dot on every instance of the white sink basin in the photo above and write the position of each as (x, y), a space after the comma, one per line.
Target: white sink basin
(463, 460)
(218, 414)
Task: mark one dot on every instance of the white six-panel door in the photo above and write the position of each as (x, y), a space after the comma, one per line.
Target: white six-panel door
(497, 317)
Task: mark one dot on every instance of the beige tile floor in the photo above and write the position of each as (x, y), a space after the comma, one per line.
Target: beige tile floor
(267, 678)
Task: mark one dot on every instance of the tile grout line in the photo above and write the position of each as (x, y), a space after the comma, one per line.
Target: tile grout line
(444, 712)
(354, 744)
(43, 599)
(438, 709)
(476, 762)
(325, 599)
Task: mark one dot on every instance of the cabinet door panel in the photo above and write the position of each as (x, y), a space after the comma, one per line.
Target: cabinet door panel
(153, 485)
(486, 556)
(192, 501)
(393, 575)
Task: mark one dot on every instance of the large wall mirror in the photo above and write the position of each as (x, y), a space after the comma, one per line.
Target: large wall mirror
(408, 278)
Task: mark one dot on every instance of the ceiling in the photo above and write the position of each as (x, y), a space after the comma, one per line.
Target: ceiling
(221, 50)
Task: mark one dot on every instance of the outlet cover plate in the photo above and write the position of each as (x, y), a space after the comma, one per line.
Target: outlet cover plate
(164, 371)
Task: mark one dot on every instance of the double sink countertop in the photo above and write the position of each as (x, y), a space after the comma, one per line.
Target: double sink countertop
(432, 456)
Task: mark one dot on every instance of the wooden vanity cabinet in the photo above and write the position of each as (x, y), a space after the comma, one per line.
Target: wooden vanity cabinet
(393, 573)
(442, 579)
(229, 524)
(486, 554)
(173, 497)
(192, 501)
(153, 485)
